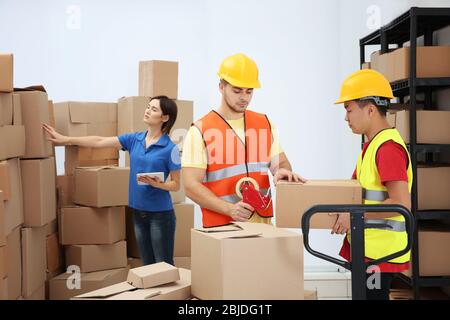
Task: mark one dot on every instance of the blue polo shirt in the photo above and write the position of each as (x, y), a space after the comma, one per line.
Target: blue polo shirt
(162, 156)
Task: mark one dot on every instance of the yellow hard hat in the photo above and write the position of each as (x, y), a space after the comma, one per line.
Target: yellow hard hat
(240, 71)
(365, 83)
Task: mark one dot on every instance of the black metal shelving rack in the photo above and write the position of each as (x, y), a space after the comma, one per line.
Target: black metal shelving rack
(415, 23)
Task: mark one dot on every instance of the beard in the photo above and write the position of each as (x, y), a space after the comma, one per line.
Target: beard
(235, 108)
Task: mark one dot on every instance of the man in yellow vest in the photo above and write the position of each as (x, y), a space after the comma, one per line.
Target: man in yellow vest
(230, 147)
(384, 172)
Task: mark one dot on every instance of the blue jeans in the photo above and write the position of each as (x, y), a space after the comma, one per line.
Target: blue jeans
(155, 235)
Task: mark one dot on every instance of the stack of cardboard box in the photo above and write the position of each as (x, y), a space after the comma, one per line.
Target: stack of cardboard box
(159, 78)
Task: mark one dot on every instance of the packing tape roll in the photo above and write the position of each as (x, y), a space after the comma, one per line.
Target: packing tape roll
(245, 179)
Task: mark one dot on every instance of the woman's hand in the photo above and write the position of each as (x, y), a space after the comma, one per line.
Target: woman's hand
(152, 181)
(55, 137)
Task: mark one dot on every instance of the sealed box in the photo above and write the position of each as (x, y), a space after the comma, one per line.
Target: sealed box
(158, 78)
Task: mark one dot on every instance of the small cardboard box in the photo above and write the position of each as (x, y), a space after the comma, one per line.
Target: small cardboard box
(14, 254)
(185, 222)
(434, 262)
(12, 141)
(178, 290)
(4, 180)
(153, 275)
(14, 207)
(158, 78)
(54, 253)
(78, 119)
(39, 186)
(84, 225)
(89, 157)
(101, 186)
(34, 113)
(232, 262)
(6, 74)
(433, 185)
(65, 186)
(293, 199)
(6, 109)
(68, 285)
(2, 220)
(34, 259)
(97, 257)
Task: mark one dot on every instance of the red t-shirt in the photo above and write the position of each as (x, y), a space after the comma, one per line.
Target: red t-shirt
(392, 163)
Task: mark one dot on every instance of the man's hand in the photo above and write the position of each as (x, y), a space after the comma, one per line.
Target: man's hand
(284, 174)
(342, 225)
(240, 211)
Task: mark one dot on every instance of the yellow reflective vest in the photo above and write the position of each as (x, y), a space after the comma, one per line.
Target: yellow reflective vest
(381, 242)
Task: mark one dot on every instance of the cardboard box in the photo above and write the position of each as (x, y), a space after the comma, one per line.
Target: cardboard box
(34, 259)
(6, 76)
(12, 141)
(227, 263)
(51, 113)
(3, 262)
(101, 186)
(310, 295)
(14, 254)
(383, 63)
(39, 186)
(17, 110)
(425, 119)
(182, 262)
(54, 253)
(34, 113)
(153, 275)
(51, 227)
(68, 285)
(180, 195)
(433, 184)
(38, 294)
(179, 290)
(14, 207)
(84, 225)
(89, 157)
(434, 262)
(294, 199)
(132, 246)
(4, 289)
(134, 262)
(131, 113)
(158, 78)
(365, 65)
(6, 109)
(2, 220)
(78, 119)
(65, 186)
(185, 222)
(4, 181)
(97, 257)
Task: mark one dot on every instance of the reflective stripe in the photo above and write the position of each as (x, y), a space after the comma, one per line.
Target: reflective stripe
(385, 224)
(234, 198)
(236, 170)
(375, 195)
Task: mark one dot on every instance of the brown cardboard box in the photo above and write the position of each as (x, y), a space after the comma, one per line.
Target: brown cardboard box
(17, 110)
(68, 285)
(153, 275)
(51, 227)
(294, 199)
(89, 157)
(6, 109)
(78, 119)
(14, 207)
(365, 65)
(4, 289)
(51, 113)
(438, 120)
(101, 186)
(182, 262)
(39, 186)
(132, 246)
(65, 186)
(134, 262)
(34, 259)
(12, 141)
(34, 113)
(131, 112)
(14, 254)
(6, 76)
(4, 181)
(84, 225)
(185, 222)
(158, 78)
(383, 63)
(54, 253)
(310, 295)
(3, 262)
(433, 262)
(180, 195)
(433, 185)
(230, 264)
(179, 290)
(97, 257)
(2, 220)
(38, 294)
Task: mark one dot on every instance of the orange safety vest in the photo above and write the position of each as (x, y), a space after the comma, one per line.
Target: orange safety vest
(230, 159)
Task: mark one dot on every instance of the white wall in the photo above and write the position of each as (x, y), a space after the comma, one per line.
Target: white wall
(89, 50)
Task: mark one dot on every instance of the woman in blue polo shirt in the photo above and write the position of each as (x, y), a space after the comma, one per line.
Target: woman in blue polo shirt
(150, 151)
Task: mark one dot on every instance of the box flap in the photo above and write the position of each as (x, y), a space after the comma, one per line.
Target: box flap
(108, 291)
(92, 112)
(31, 88)
(153, 275)
(98, 168)
(234, 231)
(337, 183)
(137, 294)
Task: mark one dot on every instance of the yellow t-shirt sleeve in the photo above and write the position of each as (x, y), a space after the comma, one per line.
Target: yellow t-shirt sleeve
(276, 148)
(194, 151)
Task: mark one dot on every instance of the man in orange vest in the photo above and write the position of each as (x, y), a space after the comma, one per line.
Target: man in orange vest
(232, 147)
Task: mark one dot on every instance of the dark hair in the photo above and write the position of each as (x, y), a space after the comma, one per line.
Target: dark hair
(170, 108)
(382, 110)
